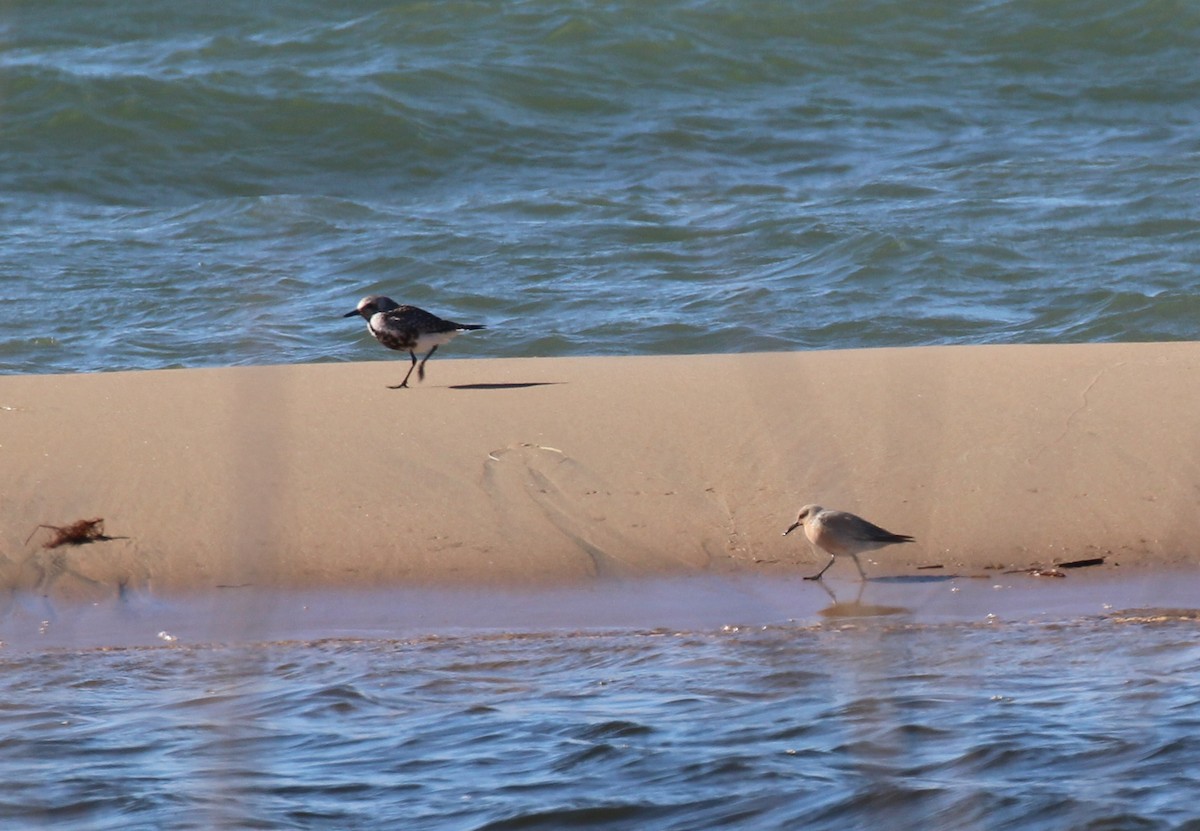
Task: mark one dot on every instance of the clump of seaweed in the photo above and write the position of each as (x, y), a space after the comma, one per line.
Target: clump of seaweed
(77, 533)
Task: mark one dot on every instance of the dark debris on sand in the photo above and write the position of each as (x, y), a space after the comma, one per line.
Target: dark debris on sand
(80, 532)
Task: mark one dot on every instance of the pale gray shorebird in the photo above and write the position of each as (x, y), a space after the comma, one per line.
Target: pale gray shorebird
(839, 533)
(407, 329)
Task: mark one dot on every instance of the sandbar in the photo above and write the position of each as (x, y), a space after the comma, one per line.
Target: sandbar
(553, 472)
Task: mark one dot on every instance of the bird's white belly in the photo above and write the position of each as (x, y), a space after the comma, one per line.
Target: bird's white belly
(826, 540)
(428, 340)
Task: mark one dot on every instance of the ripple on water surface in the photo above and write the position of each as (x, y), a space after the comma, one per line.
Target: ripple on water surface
(211, 186)
(1085, 723)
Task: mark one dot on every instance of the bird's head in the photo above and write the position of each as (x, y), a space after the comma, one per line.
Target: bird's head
(372, 305)
(806, 513)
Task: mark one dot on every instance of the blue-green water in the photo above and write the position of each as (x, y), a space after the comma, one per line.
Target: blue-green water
(1058, 719)
(212, 184)
(215, 185)
(939, 703)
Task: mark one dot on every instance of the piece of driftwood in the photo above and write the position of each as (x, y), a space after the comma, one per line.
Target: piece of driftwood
(1091, 561)
(79, 532)
(1053, 570)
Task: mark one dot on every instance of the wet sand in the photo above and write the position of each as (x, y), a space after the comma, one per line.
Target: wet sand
(565, 472)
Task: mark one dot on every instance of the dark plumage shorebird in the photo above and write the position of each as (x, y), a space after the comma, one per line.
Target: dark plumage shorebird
(407, 329)
(839, 533)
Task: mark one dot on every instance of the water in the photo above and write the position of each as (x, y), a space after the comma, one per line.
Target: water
(1010, 703)
(1055, 722)
(216, 185)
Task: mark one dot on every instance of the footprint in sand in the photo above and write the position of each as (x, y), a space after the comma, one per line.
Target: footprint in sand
(541, 491)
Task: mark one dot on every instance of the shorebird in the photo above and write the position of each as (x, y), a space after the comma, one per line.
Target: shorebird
(407, 329)
(839, 533)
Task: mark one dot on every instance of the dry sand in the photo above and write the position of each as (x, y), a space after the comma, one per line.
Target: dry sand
(541, 472)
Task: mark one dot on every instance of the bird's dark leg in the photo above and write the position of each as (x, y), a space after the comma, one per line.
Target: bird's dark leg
(404, 384)
(861, 573)
(817, 576)
(421, 369)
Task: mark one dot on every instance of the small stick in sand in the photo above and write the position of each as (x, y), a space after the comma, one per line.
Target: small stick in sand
(1091, 561)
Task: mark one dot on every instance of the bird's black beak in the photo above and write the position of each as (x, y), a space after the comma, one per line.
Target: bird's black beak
(791, 528)
(350, 314)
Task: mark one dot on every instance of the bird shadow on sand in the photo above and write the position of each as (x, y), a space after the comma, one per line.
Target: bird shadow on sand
(518, 385)
(915, 578)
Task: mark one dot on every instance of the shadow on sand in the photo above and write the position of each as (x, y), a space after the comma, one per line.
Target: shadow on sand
(915, 578)
(512, 386)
